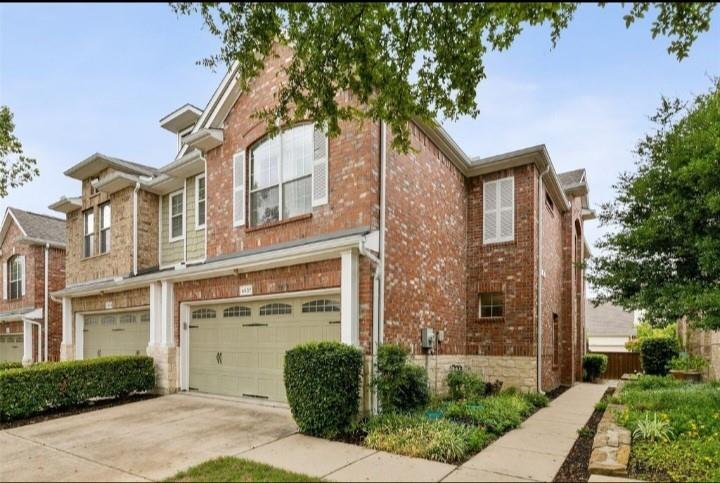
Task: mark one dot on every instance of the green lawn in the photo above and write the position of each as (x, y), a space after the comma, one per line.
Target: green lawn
(237, 469)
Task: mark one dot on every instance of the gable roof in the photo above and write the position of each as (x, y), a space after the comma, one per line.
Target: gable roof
(94, 164)
(36, 228)
(608, 320)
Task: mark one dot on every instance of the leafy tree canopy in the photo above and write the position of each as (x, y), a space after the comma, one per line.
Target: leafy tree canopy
(663, 253)
(15, 168)
(401, 61)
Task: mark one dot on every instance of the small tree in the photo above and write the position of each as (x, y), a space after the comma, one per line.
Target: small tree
(15, 168)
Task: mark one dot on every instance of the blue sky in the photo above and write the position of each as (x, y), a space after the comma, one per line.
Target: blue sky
(86, 78)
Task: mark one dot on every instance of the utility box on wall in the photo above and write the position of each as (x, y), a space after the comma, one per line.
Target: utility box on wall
(427, 337)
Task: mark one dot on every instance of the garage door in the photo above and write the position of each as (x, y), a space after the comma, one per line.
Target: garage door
(11, 347)
(118, 334)
(239, 349)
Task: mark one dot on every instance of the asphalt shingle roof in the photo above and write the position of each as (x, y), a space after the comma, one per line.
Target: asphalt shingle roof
(42, 227)
(608, 320)
(571, 178)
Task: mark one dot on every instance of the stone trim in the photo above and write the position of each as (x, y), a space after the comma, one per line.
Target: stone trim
(611, 447)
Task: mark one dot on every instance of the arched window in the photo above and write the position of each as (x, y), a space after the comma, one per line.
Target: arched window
(276, 309)
(321, 305)
(203, 314)
(15, 275)
(236, 311)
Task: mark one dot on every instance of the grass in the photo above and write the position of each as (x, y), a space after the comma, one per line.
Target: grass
(688, 448)
(237, 469)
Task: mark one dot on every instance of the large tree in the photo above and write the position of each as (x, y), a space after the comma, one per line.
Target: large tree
(663, 251)
(400, 60)
(16, 169)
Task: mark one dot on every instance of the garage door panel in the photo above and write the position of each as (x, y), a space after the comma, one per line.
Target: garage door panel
(116, 334)
(11, 347)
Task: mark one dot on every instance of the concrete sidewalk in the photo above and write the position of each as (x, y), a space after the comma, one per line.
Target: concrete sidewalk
(536, 450)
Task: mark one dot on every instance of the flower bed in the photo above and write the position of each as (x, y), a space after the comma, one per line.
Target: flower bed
(675, 429)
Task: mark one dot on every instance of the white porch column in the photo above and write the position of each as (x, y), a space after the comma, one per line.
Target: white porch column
(349, 298)
(161, 346)
(155, 314)
(167, 301)
(27, 343)
(67, 350)
(79, 336)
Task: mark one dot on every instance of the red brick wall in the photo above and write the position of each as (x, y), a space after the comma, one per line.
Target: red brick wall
(11, 247)
(425, 244)
(507, 267)
(353, 161)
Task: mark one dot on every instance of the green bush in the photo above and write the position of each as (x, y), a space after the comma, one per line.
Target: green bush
(465, 385)
(56, 385)
(656, 354)
(402, 386)
(416, 436)
(536, 399)
(322, 382)
(496, 414)
(4, 365)
(687, 362)
(594, 366)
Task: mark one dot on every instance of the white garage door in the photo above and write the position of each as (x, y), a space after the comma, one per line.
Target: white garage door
(239, 349)
(11, 347)
(125, 333)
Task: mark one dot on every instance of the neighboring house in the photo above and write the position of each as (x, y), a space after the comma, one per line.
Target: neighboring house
(32, 253)
(245, 245)
(609, 327)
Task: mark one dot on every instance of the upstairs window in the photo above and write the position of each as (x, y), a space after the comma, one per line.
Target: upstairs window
(288, 175)
(200, 202)
(105, 222)
(15, 271)
(491, 305)
(499, 210)
(177, 221)
(89, 233)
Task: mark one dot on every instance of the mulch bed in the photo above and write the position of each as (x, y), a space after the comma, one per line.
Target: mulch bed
(83, 408)
(575, 467)
(556, 392)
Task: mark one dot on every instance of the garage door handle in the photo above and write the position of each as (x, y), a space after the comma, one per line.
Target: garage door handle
(334, 322)
(118, 330)
(255, 325)
(218, 357)
(221, 361)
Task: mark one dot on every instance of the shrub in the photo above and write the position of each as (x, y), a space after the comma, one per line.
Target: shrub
(594, 365)
(5, 365)
(686, 362)
(536, 399)
(402, 386)
(56, 385)
(416, 436)
(653, 429)
(497, 414)
(656, 353)
(465, 385)
(645, 331)
(322, 382)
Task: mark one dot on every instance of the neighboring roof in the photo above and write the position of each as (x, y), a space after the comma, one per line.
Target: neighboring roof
(36, 228)
(608, 320)
(572, 179)
(97, 162)
(181, 118)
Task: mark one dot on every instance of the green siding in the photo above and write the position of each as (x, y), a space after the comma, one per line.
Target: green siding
(172, 252)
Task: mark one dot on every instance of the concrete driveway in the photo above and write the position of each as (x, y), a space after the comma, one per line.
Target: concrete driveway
(147, 440)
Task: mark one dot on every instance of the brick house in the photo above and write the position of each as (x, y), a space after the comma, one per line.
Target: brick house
(245, 245)
(32, 254)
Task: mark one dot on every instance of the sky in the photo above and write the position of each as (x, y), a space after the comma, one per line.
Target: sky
(97, 78)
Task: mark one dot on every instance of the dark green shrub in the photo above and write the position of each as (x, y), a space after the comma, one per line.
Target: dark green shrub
(402, 386)
(536, 399)
(496, 414)
(55, 385)
(594, 366)
(464, 385)
(656, 354)
(322, 382)
(4, 365)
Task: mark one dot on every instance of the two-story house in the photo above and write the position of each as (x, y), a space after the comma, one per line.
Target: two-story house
(32, 254)
(246, 245)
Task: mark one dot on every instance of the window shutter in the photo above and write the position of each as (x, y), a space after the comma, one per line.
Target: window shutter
(238, 189)
(22, 274)
(320, 169)
(507, 208)
(5, 280)
(490, 210)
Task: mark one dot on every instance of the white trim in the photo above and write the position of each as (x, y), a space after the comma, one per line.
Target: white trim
(349, 295)
(498, 210)
(79, 336)
(197, 202)
(184, 220)
(239, 220)
(160, 237)
(170, 215)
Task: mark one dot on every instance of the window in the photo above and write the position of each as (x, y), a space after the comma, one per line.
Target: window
(93, 189)
(549, 203)
(203, 314)
(556, 340)
(491, 305)
(105, 222)
(275, 309)
(288, 175)
(236, 311)
(127, 319)
(89, 241)
(176, 216)
(320, 306)
(199, 202)
(15, 277)
(499, 210)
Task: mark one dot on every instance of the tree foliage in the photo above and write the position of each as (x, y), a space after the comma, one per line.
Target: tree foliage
(663, 253)
(400, 61)
(15, 168)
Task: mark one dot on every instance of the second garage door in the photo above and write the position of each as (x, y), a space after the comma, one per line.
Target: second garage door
(239, 349)
(11, 347)
(116, 334)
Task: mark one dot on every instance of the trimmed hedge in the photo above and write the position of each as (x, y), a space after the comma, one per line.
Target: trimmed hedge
(56, 385)
(594, 366)
(656, 354)
(322, 382)
(402, 386)
(5, 365)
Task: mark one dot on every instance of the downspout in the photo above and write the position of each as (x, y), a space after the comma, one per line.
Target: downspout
(383, 168)
(135, 226)
(375, 315)
(47, 295)
(540, 280)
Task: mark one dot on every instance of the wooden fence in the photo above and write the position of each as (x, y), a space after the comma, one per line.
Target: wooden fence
(620, 363)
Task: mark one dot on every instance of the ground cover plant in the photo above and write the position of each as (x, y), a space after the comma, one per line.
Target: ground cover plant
(676, 429)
